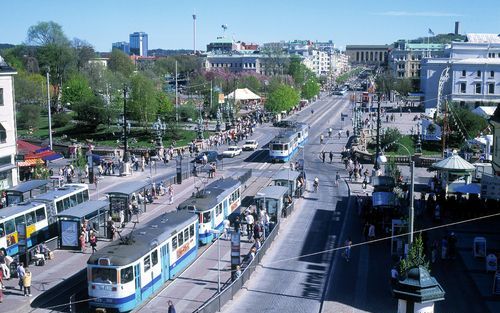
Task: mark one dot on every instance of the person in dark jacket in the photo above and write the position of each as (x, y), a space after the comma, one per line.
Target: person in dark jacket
(171, 308)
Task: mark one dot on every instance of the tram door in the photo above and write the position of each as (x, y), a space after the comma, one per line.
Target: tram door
(165, 263)
(138, 295)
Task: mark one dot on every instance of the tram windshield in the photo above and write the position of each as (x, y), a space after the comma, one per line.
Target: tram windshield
(104, 275)
(278, 147)
(207, 218)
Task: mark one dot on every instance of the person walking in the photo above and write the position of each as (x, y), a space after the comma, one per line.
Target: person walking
(347, 251)
(20, 274)
(83, 246)
(331, 157)
(337, 179)
(170, 194)
(4, 267)
(250, 221)
(227, 226)
(171, 308)
(323, 156)
(93, 241)
(27, 283)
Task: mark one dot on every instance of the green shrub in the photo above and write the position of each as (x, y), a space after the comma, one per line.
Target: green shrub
(60, 120)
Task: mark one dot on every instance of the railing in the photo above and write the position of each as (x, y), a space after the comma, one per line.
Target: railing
(218, 301)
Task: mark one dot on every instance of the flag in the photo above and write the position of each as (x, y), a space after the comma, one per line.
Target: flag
(431, 32)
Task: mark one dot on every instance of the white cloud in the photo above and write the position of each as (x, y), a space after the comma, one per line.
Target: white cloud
(423, 14)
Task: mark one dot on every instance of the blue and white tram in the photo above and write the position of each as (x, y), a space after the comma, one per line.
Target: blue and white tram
(212, 205)
(302, 130)
(124, 274)
(284, 146)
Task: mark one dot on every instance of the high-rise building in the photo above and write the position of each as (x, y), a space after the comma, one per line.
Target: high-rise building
(139, 44)
(122, 46)
(8, 134)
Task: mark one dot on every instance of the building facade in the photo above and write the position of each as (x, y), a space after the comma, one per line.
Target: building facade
(474, 74)
(8, 133)
(234, 62)
(367, 54)
(139, 44)
(122, 46)
(404, 60)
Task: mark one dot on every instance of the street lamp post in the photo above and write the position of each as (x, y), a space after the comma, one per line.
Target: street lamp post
(126, 166)
(49, 109)
(376, 165)
(217, 232)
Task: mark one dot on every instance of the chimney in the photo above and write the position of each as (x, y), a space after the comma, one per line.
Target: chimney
(457, 24)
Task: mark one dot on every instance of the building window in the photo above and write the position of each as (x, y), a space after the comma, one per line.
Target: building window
(491, 88)
(3, 134)
(478, 73)
(1, 96)
(463, 87)
(478, 88)
(463, 73)
(492, 74)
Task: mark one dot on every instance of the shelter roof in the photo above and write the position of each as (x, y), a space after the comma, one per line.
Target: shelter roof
(453, 163)
(243, 94)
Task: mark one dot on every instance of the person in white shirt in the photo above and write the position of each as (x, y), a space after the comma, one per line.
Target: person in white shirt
(250, 221)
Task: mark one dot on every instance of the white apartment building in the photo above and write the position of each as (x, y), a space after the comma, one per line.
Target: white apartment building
(8, 134)
(474, 73)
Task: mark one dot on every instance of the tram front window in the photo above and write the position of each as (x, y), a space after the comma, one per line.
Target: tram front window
(104, 275)
(207, 217)
(277, 147)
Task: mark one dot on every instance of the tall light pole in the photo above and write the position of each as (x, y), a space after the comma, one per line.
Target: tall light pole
(217, 232)
(126, 166)
(49, 109)
(176, 97)
(194, 34)
(377, 166)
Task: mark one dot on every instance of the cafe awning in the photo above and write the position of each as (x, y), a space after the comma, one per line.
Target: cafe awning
(30, 162)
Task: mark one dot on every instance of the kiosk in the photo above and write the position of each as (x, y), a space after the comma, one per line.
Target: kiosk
(70, 222)
(272, 198)
(26, 191)
(288, 178)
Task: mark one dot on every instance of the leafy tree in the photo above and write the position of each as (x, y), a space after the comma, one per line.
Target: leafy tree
(40, 171)
(30, 88)
(310, 89)
(60, 119)
(385, 83)
(29, 116)
(187, 111)
(403, 86)
(84, 52)
(165, 105)
(297, 70)
(463, 125)
(46, 33)
(76, 89)
(416, 257)
(91, 111)
(251, 82)
(388, 138)
(143, 104)
(284, 98)
(121, 63)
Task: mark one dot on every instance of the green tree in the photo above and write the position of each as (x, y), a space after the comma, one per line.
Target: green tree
(463, 125)
(46, 33)
(385, 83)
(30, 88)
(284, 98)
(403, 86)
(187, 111)
(387, 140)
(143, 104)
(29, 116)
(251, 82)
(121, 63)
(165, 105)
(60, 120)
(416, 257)
(310, 89)
(84, 53)
(297, 70)
(91, 112)
(76, 89)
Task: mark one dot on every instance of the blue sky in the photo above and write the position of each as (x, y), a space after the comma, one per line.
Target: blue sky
(169, 23)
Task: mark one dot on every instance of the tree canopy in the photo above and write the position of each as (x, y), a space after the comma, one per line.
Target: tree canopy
(283, 98)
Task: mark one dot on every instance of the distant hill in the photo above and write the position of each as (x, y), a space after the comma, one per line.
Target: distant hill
(6, 46)
(440, 38)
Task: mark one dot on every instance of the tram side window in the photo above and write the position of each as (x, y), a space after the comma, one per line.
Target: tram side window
(85, 195)
(219, 208)
(30, 218)
(59, 206)
(186, 234)
(40, 215)
(147, 263)
(20, 221)
(66, 204)
(154, 257)
(73, 201)
(2, 230)
(207, 218)
(126, 275)
(10, 227)
(174, 243)
(191, 231)
(181, 238)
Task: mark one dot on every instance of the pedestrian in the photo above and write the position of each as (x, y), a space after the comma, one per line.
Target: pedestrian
(347, 251)
(371, 232)
(237, 273)
(20, 274)
(331, 157)
(4, 267)
(227, 225)
(237, 224)
(347, 133)
(170, 194)
(256, 231)
(93, 241)
(250, 221)
(337, 179)
(323, 155)
(82, 242)
(340, 133)
(171, 308)
(27, 283)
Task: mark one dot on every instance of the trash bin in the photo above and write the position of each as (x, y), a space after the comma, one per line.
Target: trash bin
(479, 248)
(491, 263)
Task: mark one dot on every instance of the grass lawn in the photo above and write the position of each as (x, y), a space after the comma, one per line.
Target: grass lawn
(428, 148)
(109, 136)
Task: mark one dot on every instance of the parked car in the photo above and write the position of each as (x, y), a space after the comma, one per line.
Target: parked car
(231, 152)
(212, 156)
(250, 145)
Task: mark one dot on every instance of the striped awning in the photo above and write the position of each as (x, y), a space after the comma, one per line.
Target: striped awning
(29, 162)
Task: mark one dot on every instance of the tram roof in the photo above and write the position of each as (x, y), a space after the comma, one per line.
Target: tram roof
(15, 209)
(85, 208)
(56, 193)
(29, 185)
(212, 194)
(272, 192)
(284, 137)
(144, 239)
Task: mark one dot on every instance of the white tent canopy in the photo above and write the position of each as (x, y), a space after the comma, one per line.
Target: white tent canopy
(242, 94)
(485, 111)
(454, 163)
